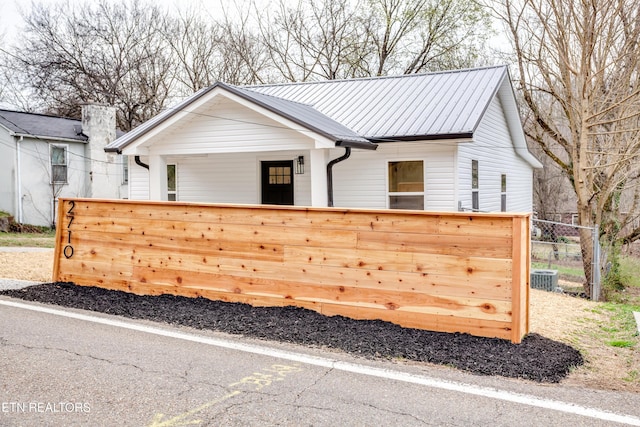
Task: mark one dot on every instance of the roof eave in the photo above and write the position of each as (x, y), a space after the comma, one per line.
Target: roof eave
(48, 138)
(431, 137)
(148, 126)
(365, 145)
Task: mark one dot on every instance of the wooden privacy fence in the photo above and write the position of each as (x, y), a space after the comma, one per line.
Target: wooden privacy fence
(450, 272)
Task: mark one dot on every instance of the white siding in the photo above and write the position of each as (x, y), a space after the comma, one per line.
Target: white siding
(227, 127)
(361, 180)
(7, 173)
(37, 191)
(138, 179)
(221, 178)
(494, 151)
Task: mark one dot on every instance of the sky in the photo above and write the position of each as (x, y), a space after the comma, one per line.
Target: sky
(10, 19)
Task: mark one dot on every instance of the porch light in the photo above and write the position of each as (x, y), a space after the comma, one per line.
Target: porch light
(300, 165)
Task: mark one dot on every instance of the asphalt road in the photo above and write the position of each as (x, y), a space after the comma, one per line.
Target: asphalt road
(63, 367)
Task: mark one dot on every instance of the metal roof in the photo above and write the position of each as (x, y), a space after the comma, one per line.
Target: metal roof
(301, 114)
(306, 116)
(42, 126)
(445, 104)
(360, 112)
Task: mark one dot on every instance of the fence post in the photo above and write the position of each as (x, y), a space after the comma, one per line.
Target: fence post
(595, 273)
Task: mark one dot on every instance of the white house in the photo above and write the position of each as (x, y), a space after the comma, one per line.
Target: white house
(45, 157)
(443, 141)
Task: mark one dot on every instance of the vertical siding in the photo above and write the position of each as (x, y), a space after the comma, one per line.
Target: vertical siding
(493, 149)
(361, 180)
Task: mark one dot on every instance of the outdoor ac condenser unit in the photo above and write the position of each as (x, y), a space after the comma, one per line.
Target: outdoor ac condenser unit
(547, 280)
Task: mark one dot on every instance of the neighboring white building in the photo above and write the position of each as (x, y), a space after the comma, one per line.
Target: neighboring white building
(442, 141)
(44, 157)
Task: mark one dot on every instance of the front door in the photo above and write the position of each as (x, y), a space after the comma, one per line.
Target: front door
(277, 183)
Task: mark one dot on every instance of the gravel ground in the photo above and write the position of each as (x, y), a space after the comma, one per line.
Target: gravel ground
(537, 358)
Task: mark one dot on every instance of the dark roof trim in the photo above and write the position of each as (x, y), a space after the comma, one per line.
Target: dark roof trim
(432, 137)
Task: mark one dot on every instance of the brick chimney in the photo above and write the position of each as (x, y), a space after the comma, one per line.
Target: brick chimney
(104, 170)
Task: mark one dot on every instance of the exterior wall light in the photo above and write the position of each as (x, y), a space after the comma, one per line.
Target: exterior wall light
(300, 165)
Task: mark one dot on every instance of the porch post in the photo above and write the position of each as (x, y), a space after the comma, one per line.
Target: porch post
(318, 159)
(157, 177)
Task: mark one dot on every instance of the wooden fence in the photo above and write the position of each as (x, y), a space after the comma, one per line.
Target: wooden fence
(450, 272)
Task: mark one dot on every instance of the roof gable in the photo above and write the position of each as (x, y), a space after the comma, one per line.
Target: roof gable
(295, 112)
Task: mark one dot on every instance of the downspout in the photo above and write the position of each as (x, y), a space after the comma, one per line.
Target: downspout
(347, 153)
(139, 162)
(19, 180)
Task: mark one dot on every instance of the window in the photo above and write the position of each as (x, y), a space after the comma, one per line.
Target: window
(58, 157)
(171, 183)
(503, 193)
(279, 175)
(406, 185)
(475, 186)
(125, 169)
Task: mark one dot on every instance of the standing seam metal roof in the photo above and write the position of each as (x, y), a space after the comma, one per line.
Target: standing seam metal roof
(357, 112)
(407, 106)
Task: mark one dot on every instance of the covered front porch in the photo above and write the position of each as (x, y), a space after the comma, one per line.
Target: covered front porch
(287, 177)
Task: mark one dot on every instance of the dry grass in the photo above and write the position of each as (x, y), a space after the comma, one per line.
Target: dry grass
(574, 321)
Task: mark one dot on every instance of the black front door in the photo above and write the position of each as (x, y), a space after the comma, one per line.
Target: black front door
(277, 183)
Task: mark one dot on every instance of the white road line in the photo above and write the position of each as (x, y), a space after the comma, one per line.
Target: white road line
(488, 392)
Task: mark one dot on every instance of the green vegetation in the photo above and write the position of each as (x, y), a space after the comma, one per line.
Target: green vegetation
(622, 284)
(24, 235)
(567, 272)
(44, 239)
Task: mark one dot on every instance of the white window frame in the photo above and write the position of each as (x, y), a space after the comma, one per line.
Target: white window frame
(475, 189)
(503, 192)
(125, 169)
(406, 193)
(172, 192)
(65, 147)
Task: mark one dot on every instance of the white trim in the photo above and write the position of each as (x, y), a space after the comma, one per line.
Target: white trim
(66, 164)
(175, 176)
(422, 193)
(149, 137)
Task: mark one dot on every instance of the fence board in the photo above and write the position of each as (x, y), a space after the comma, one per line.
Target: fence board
(452, 272)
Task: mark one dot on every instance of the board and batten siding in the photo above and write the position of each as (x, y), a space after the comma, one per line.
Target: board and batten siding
(361, 180)
(492, 139)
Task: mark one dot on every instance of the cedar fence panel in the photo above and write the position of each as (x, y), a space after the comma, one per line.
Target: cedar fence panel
(449, 272)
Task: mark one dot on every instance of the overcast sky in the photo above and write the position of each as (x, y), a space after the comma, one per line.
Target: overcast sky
(11, 20)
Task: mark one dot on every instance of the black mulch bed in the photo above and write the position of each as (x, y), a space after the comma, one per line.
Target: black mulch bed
(537, 358)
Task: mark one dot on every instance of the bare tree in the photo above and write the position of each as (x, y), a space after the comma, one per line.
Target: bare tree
(99, 52)
(412, 36)
(318, 39)
(579, 75)
(332, 39)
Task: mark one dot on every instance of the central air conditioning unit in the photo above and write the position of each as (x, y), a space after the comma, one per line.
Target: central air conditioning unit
(547, 280)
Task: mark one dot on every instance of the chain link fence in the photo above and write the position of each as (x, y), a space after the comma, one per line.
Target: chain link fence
(557, 260)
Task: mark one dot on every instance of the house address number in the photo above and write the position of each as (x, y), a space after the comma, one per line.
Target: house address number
(68, 249)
